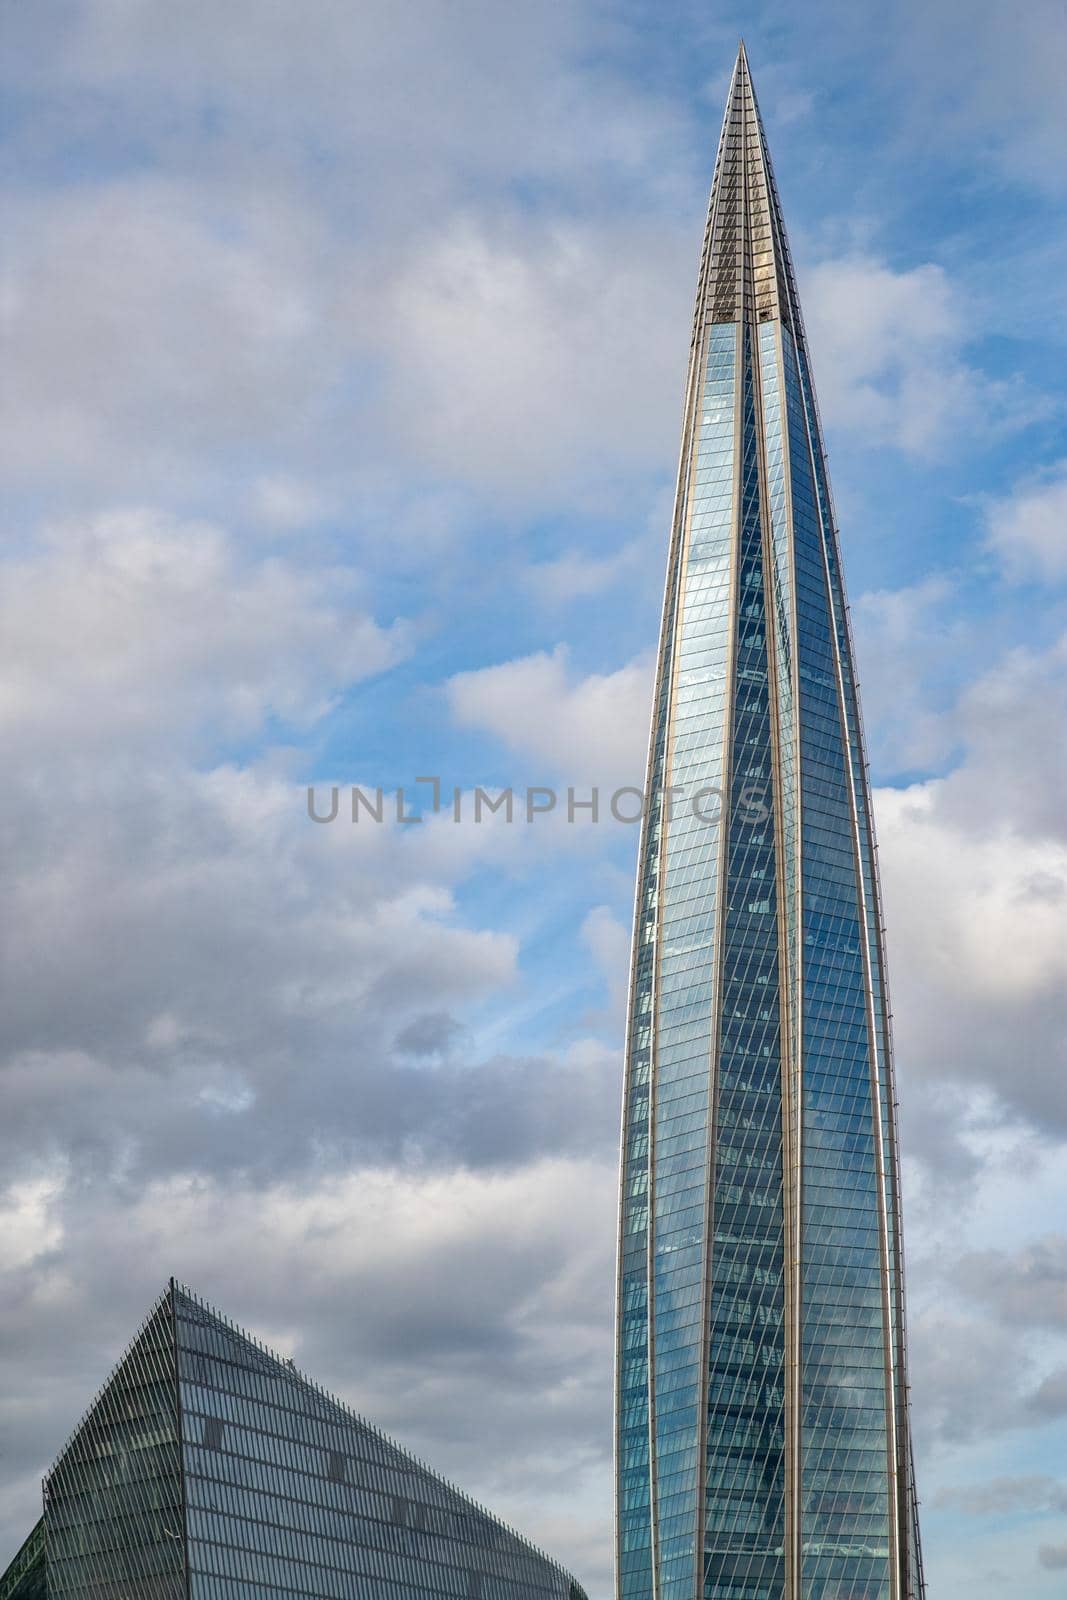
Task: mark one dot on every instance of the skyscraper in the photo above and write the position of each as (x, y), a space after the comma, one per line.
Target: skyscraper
(763, 1444)
(209, 1469)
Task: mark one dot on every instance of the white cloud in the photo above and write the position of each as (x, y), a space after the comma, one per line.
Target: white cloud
(977, 928)
(593, 729)
(890, 358)
(904, 638)
(283, 503)
(503, 93)
(152, 320)
(133, 623)
(1028, 528)
(166, 336)
(608, 941)
(989, 77)
(506, 357)
(992, 909)
(303, 280)
(1028, 1287)
(1017, 769)
(574, 576)
(28, 1227)
(974, 868)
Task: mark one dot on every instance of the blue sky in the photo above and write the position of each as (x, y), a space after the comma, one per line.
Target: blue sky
(344, 350)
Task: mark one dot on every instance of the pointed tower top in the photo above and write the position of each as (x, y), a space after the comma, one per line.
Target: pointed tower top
(748, 274)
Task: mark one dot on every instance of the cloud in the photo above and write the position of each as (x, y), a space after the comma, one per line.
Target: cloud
(1049, 1399)
(504, 360)
(224, 989)
(1053, 1557)
(167, 337)
(135, 626)
(1028, 1286)
(967, 1373)
(149, 323)
(960, 66)
(608, 941)
(504, 95)
(891, 361)
(1028, 529)
(291, 278)
(999, 1495)
(977, 928)
(28, 1228)
(1015, 774)
(593, 729)
(974, 867)
(203, 981)
(906, 638)
(574, 576)
(284, 503)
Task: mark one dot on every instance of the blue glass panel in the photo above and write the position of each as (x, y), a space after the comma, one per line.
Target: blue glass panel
(685, 993)
(745, 1494)
(907, 1505)
(844, 1443)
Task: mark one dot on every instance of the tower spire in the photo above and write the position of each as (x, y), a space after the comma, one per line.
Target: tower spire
(748, 273)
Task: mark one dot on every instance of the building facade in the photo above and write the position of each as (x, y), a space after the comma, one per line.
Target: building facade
(763, 1447)
(209, 1469)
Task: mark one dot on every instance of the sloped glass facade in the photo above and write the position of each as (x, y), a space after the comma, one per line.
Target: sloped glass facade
(763, 1442)
(209, 1469)
(113, 1500)
(26, 1578)
(288, 1494)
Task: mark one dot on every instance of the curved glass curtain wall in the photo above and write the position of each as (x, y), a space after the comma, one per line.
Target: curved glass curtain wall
(763, 1430)
(843, 1439)
(744, 1537)
(686, 968)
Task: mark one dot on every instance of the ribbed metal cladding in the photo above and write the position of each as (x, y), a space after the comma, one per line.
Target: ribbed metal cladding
(749, 267)
(762, 1426)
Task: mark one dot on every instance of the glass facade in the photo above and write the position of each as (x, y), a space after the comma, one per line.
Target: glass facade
(763, 1441)
(209, 1469)
(113, 1500)
(25, 1578)
(289, 1494)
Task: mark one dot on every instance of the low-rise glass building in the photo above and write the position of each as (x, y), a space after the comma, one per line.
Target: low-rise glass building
(208, 1468)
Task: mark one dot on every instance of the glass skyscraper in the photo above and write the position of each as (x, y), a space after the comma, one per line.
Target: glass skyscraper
(763, 1446)
(209, 1469)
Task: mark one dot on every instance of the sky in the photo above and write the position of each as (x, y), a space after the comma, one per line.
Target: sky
(344, 349)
